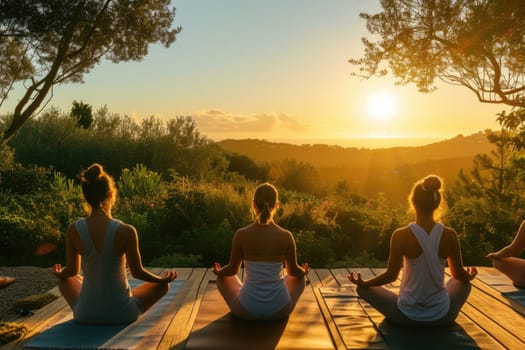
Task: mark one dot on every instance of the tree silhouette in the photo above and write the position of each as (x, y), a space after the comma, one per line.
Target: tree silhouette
(476, 44)
(48, 42)
(83, 113)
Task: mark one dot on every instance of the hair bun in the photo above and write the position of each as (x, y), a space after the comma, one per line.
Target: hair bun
(93, 172)
(432, 183)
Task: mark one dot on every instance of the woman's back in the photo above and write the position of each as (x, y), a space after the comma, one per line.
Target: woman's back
(264, 242)
(105, 294)
(423, 295)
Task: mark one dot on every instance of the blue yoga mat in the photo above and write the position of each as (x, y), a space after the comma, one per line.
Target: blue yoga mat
(503, 284)
(71, 335)
(518, 296)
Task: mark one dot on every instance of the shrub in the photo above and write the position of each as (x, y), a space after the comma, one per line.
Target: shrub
(177, 260)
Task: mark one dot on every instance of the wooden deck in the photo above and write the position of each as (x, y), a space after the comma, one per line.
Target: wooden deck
(328, 316)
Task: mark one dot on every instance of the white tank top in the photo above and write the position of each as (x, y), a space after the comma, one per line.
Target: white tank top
(422, 295)
(263, 293)
(105, 296)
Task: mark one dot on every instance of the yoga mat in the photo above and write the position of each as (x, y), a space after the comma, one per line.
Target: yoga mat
(497, 280)
(463, 334)
(503, 284)
(353, 323)
(215, 328)
(67, 334)
(518, 296)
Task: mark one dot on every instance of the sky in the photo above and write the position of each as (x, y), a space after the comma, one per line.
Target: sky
(276, 70)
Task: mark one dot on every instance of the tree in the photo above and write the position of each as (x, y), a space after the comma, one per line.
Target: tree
(476, 44)
(48, 42)
(487, 205)
(83, 113)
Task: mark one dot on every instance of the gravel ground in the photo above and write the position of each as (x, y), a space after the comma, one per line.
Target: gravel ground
(30, 280)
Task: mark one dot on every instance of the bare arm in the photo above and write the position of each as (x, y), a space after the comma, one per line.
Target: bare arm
(454, 259)
(395, 261)
(72, 267)
(291, 265)
(135, 261)
(233, 266)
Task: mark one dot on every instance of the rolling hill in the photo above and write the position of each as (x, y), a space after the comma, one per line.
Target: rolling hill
(369, 171)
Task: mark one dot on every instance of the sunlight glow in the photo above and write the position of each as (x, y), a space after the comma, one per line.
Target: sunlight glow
(381, 106)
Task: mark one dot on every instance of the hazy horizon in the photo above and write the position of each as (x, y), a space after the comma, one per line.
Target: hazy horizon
(357, 142)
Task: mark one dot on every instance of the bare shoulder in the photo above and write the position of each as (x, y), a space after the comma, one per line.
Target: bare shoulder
(244, 230)
(282, 230)
(402, 233)
(449, 235)
(126, 230)
(71, 228)
(72, 231)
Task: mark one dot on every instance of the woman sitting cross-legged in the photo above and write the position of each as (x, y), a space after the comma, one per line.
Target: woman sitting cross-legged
(263, 246)
(423, 248)
(103, 245)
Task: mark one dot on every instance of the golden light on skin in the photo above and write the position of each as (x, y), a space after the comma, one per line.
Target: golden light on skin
(381, 106)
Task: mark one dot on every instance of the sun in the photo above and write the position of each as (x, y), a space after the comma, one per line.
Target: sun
(381, 106)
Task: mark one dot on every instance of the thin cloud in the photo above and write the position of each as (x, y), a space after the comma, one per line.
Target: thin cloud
(214, 121)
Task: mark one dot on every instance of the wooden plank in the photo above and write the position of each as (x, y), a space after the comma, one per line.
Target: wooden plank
(488, 320)
(352, 323)
(496, 291)
(180, 327)
(326, 278)
(351, 319)
(340, 276)
(495, 317)
(316, 284)
(215, 328)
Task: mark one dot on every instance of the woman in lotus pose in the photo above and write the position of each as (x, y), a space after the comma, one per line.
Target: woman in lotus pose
(103, 245)
(423, 248)
(507, 259)
(263, 246)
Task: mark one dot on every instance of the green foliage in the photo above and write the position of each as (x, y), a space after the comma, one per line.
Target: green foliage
(212, 243)
(139, 182)
(22, 233)
(186, 206)
(487, 205)
(67, 38)
(64, 202)
(247, 167)
(142, 204)
(7, 157)
(365, 259)
(177, 260)
(24, 180)
(297, 176)
(313, 248)
(117, 142)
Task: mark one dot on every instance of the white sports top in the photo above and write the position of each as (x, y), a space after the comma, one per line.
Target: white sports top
(423, 296)
(105, 296)
(263, 293)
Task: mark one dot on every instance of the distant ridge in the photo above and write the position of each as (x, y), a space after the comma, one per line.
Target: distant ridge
(369, 171)
(321, 155)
